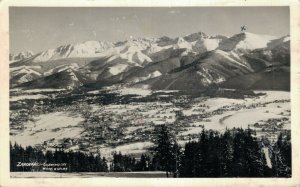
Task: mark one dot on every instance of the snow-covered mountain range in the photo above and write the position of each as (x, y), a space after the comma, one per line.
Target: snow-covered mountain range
(20, 56)
(195, 61)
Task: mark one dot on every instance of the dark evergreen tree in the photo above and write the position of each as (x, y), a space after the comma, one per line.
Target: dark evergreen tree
(166, 150)
(144, 163)
(13, 157)
(226, 154)
(239, 154)
(123, 163)
(201, 155)
(253, 155)
(282, 156)
(189, 159)
(231, 154)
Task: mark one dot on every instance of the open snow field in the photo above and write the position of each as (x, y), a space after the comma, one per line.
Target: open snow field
(244, 116)
(19, 94)
(57, 125)
(23, 97)
(132, 148)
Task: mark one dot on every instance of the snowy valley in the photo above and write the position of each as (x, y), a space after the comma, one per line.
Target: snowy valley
(110, 96)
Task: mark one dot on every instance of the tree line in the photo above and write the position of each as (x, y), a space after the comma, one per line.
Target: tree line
(32, 159)
(127, 163)
(233, 153)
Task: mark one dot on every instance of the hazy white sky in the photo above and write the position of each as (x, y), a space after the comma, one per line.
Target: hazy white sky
(38, 29)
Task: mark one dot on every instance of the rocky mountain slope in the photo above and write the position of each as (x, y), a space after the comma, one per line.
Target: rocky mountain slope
(192, 62)
(20, 56)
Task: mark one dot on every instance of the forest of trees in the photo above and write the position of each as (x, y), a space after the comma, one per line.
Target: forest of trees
(233, 153)
(74, 161)
(127, 163)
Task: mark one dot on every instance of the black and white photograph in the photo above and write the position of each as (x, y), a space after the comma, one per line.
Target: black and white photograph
(150, 92)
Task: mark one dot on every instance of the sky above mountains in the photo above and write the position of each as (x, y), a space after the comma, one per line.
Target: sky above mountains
(38, 29)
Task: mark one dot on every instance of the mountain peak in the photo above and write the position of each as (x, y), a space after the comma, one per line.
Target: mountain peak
(20, 56)
(85, 49)
(195, 36)
(245, 41)
(198, 42)
(157, 62)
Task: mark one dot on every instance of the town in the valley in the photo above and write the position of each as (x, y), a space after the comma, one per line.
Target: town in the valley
(88, 123)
